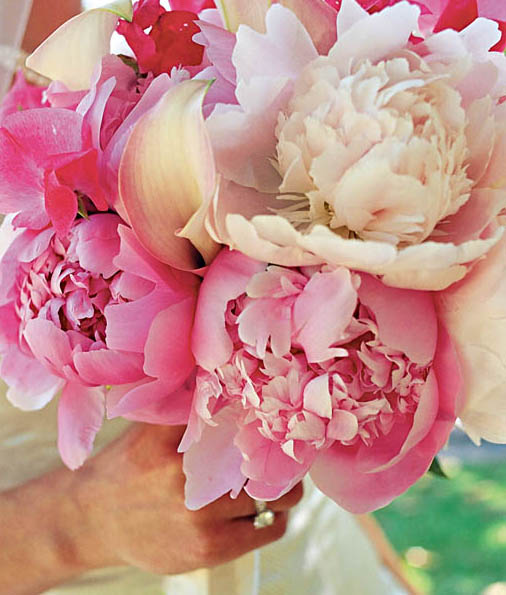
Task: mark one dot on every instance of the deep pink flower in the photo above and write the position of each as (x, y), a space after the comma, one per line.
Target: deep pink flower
(89, 310)
(312, 369)
(168, 44)
(46, 165)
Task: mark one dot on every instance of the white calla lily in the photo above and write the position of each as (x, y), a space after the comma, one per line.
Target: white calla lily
(167, 175)
(72, 52)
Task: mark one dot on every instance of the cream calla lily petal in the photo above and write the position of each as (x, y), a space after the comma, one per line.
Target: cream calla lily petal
(72, 52)
(243, 12)
(166, 173)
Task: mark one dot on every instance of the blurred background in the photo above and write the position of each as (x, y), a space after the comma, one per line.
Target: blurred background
(451, 533)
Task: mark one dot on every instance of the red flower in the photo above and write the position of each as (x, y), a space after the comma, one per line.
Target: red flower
(169, 43)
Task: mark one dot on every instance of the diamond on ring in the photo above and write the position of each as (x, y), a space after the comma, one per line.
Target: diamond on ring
(264, 517)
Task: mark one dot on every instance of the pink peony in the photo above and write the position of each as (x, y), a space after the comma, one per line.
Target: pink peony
(312, 369)
(88, 310)
(384, 156)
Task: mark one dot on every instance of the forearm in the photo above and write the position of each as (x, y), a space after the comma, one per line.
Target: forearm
(45, 538)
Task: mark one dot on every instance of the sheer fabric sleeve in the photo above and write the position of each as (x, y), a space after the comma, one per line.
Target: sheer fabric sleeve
(13, 20)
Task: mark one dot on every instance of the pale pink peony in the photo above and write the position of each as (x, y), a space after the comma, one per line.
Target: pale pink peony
(384, 156)
(91, 309)
(316, 369)
(474, 311)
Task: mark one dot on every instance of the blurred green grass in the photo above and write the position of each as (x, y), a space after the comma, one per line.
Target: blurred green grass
(452, 533)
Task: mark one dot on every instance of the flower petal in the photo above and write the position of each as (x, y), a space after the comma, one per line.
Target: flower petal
(160, 195)
(80, 414)
(211, 343)
(411, 326)
(74, 50)
(167, 352)
(474, 312)
(318, 18)
(213, 465)
(31, 386)
(104, 366)
(243, 12)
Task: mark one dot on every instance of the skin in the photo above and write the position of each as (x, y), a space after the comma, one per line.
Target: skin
(124, 507)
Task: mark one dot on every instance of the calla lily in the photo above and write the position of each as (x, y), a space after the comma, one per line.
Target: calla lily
(167, 176)
(243, 12)
(72, 52)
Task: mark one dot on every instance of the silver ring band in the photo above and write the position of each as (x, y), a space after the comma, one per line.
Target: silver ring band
(264, 516)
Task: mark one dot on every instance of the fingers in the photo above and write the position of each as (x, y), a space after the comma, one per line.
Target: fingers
(237, 537)
(244, 506)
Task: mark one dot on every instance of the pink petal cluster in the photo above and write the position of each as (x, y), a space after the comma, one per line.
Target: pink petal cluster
(313, 370)
(88, 310)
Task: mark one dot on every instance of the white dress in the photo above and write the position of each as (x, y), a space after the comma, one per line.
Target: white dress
(324, 551)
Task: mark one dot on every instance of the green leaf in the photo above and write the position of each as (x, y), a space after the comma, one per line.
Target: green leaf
(81, 207)
(121, 8)
(436, 469)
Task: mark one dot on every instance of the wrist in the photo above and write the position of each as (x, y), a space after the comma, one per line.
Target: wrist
(87, 512)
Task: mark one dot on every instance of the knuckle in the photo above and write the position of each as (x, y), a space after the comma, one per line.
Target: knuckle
(296, 494)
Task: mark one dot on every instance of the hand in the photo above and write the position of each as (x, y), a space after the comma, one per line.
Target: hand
(132, 495)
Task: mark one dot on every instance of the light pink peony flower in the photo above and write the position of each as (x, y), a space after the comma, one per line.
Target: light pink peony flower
(314, 370)
(383, 156)
(88, 310)
(474, 312)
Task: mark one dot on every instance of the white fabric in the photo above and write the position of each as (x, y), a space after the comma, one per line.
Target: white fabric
(324, 552)
(13, 18)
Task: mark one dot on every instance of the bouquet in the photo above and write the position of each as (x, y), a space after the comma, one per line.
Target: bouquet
(279, 224)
